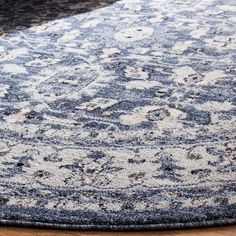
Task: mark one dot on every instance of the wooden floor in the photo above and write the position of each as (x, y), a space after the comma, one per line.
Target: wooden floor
(217, 231)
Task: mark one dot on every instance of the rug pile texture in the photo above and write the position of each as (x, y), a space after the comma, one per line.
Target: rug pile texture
(117, 115)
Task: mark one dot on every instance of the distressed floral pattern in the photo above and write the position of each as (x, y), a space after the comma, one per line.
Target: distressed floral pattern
(117, 114)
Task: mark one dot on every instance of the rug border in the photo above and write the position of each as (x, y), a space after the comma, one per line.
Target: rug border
(131, 227)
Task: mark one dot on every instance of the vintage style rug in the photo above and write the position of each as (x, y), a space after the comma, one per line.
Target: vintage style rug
(117, 114)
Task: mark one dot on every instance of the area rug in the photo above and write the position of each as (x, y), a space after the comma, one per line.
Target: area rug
(117, 115)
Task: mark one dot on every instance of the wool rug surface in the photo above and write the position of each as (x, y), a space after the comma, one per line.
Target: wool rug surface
(117, 114)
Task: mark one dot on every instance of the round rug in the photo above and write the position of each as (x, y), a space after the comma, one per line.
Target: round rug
(117, 115)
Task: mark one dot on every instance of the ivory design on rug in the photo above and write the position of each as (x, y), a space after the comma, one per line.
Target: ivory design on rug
(118, 114)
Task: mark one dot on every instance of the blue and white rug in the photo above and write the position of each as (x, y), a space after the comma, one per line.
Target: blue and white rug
(117, 114)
